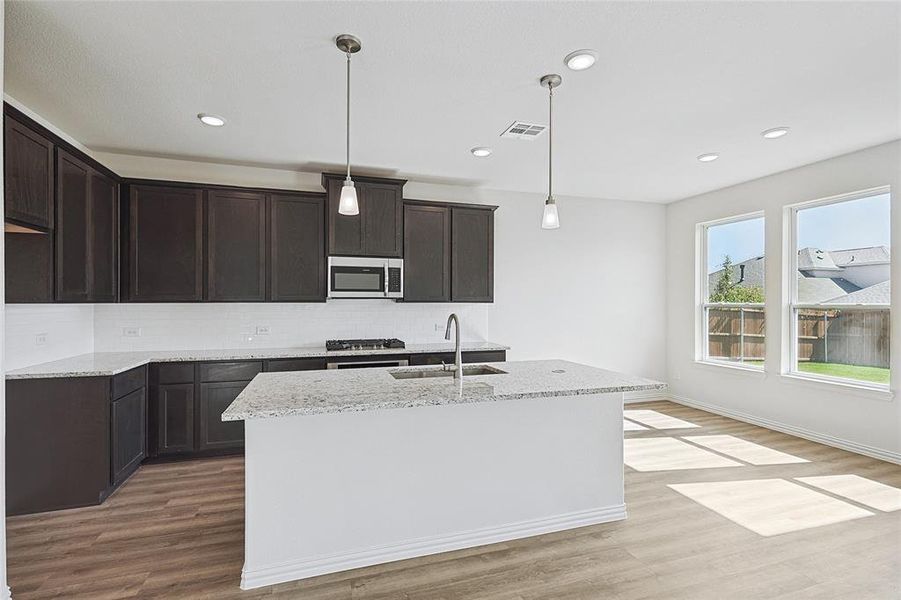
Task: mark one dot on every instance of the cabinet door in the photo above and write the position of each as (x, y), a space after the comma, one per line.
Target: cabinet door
(297, 265)
(29, 267)
(236, 246)
(381, 208)
(427, 253)
(73, 230)
(175, 417)
(28, 175)
(165, 244)
(129, 434)
(104, 228)
(345, 233)
(214, 433)
(472, 255)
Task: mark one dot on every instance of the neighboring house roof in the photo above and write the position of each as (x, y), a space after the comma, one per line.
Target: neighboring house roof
(874, 255)
(814, 259)
(881, 293)
(753, 273)
(814, 290)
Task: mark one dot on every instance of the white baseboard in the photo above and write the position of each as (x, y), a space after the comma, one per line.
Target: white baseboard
(814, 436)
(311, 567)
(645, 396)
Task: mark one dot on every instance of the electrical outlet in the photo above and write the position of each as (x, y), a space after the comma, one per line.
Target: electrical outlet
(677, 375)
(131, 332)
(40, 339)
(263, 330)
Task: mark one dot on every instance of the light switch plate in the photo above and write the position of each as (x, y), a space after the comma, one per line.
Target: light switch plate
(263, 330)
(40, 339)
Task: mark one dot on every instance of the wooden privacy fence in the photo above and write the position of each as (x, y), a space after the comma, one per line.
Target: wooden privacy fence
(735, 333)
(847, 336)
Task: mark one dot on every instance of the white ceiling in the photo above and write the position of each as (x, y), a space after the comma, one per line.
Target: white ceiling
(674, 80)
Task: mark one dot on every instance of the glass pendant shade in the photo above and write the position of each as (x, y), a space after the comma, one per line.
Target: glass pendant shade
(347, 203)
(551, 219)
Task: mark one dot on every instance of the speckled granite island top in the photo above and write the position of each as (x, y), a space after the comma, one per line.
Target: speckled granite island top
(272, 395)
(102, 364)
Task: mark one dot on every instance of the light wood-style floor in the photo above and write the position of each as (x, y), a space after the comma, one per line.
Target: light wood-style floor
(176, 531)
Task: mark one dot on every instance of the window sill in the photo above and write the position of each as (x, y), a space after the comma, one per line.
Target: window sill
(736, 368)
(874, 392)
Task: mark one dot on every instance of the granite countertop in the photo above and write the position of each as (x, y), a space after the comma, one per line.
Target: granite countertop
(102, 364)
(272, 395)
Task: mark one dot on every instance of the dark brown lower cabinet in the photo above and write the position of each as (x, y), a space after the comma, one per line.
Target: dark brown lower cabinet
(448, 358)
(71, 441)
(216, 434)
(174, 404)
(129, 424)
(295, 364)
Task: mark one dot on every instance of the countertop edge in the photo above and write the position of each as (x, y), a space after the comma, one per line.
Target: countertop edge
(261, 414)
(148, 356)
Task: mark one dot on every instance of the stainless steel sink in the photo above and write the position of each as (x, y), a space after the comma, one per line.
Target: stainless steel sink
(433, 372)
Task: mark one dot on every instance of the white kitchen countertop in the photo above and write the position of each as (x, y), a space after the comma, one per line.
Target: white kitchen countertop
(272, 395)
(101, 364)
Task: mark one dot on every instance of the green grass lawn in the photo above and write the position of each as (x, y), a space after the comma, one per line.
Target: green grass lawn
(870, 374)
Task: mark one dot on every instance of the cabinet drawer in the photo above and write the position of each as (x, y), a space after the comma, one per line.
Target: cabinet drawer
(129, 381)
(485, 356)
(230, 371)
(295, 364)
(176, 373)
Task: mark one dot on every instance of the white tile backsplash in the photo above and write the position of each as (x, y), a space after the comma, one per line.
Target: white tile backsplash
(234, 325)
(69, 330)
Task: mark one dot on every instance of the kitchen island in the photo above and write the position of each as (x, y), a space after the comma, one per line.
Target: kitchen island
(352, 468)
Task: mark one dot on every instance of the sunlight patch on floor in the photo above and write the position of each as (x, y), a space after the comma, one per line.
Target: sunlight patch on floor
(859, 489)
(657, 420)
(668, 454)
(744, 450)
(632, 426)
(770, 506)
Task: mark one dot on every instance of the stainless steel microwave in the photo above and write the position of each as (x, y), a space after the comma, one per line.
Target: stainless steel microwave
(363, 277)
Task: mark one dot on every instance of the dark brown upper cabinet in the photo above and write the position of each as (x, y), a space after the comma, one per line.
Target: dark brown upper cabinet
(377, 230)
(297, 264)
(165, 256)
(472, 254)
(427, 253)
(86, 232)
(29, 267)
(73, 229)
(27, 176)
(104, 238)
(236, 246)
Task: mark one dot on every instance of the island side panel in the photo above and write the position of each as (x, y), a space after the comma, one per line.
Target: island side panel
(332, 492)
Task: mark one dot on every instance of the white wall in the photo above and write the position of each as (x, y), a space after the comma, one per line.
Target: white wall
(864, 421)
(592, 291)
(4, 590)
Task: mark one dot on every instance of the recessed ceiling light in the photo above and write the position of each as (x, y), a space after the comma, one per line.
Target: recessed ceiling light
(775, 132)
(709, 157)
(481, 151)
(211, 120)
(580, 59)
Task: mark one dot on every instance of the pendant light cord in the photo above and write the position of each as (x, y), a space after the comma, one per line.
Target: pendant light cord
(550, 144)
(348, 115)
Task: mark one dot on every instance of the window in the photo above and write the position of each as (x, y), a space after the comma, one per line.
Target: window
(732, 292)
(840, 267)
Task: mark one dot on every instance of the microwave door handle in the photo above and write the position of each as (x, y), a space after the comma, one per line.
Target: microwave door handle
(386, 280)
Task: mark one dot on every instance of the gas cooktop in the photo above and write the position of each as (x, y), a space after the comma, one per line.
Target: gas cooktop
(367, 344)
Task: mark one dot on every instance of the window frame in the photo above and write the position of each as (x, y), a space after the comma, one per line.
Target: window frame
(791, 306)
(702, 290)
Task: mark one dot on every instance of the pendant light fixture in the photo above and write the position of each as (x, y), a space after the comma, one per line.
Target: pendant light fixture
(551, 219)
(347, 204)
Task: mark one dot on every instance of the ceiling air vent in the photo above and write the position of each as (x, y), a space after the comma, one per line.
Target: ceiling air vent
(520, 130)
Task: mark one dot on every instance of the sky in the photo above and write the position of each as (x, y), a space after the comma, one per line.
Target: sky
(854, 224)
